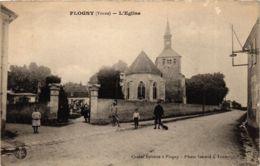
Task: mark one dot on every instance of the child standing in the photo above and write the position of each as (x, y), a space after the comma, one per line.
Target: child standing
(136, 117)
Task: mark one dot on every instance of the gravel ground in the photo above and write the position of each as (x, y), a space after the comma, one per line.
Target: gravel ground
(209, 140)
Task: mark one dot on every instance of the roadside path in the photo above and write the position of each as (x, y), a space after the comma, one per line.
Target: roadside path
(207, 140)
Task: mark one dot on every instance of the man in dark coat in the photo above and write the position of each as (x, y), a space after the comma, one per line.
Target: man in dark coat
(158, 113)
(86, 113)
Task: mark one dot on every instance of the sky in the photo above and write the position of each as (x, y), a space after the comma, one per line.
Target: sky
(76, 46)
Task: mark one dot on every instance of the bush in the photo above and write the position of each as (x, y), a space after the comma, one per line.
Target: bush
(22, 113)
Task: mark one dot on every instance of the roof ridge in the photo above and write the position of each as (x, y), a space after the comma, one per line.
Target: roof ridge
(143, 64)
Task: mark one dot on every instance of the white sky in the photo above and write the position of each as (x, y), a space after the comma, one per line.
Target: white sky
(75, 47)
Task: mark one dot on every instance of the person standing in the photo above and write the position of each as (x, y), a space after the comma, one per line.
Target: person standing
(86, 113)
(115, 118)
(136, 117)
(36, 120)
(158, 113)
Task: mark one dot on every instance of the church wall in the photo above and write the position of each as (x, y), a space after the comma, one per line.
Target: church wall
(169, 70)
(148, 79)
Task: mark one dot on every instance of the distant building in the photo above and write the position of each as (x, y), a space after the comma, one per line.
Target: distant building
(143, 80)
(169, 63)
(15, 98)
(6, 17)
(253, 99)
(81, 97)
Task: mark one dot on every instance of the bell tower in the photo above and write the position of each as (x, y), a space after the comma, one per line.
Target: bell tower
(169, 63)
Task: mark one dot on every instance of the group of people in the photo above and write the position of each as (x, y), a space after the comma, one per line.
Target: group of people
(158, 113)
(85, 111)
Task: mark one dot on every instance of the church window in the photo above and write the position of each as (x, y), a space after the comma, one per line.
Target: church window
(169, 61)
(163, 61)
(154, 90)
(141, 91)
(174, 61)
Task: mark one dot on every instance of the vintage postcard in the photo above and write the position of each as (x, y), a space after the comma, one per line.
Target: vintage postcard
(135, 83)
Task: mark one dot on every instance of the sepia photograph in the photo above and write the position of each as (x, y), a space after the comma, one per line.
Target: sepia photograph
(135, 83)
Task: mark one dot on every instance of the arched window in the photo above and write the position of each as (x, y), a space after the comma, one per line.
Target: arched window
(154, 90)
(141, 91)
(128, 90)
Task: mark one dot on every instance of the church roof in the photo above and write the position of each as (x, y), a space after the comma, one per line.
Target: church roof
(143, 64)
(169, 52)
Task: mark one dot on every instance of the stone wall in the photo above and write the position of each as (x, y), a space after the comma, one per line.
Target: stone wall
(22, 113)
(126, 109)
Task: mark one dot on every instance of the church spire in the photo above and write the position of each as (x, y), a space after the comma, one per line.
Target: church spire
(168, 31)
(167, 36)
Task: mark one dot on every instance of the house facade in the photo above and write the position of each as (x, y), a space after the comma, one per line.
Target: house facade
(252, 44)
(15, 98)
(6, 17)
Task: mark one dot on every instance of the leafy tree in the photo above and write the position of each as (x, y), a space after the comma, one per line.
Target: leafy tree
(63, 112)
(109, 80)
(236, 105)
(206, 88)
(52, 80)
(120, 66)
(44, 96)
(71, 87)
(26, 79)
(173, 92)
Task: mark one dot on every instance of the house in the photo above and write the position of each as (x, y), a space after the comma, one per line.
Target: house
(15, 98)
(81, 97)
(252, 44)
(6, 17)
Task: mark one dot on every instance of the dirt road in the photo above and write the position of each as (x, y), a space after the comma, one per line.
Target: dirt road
(209, 140)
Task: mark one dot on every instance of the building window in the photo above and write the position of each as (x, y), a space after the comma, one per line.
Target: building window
(174, 61)
(169, 61)
(154, 90)
(163, 61)
(141, 91)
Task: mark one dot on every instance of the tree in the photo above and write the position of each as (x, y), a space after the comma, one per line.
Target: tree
(44, 96)
(236, 105)
(206, 89)
(71, 87)
(120, 66)
(63, 111)
(26, 79)
(173, 92)
(109, 80)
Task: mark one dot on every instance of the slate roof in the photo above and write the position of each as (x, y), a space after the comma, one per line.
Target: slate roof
(143, 64)
(169, 52)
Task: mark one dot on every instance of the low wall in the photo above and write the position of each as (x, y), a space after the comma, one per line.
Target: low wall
(22, 113)
(126, 109)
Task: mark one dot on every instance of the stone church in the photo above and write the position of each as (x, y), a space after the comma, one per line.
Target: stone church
(145, 80)
(169, 63)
